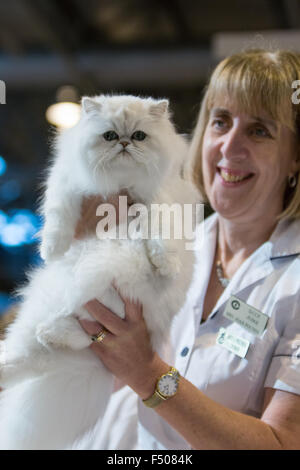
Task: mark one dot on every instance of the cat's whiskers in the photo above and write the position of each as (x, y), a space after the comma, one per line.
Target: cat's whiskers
(154, 165)
(104, 164)
(136, 154)
(100, 165)
(95, 168)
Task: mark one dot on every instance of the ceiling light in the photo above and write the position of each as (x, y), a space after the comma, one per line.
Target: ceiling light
(66, 112)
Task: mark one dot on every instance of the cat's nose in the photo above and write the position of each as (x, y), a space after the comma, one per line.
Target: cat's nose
(124, 143)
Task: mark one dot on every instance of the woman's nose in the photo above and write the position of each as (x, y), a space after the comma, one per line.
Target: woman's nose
(234, 145)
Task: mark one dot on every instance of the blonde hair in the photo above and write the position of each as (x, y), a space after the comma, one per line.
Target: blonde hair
(255, 79)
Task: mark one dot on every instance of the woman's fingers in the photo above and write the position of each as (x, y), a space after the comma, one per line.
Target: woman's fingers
(133, 309)
(91, 327)
(94, 329)
(118, 291)
(109, 320)
(106, 317)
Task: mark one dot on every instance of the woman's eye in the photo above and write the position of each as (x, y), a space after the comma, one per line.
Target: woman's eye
(261, 132)
(219, 123)
(110, 135)
(138, 135)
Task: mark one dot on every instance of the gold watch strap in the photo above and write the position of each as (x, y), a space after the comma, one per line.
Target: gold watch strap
(174, 372)
(157, 398)
(154, 400)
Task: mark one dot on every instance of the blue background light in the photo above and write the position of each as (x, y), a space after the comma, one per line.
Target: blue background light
(3, 166)
(3, 219)
(9, 191)
(19, 228)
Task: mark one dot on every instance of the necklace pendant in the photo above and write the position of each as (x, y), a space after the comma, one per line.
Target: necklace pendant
(220, 274)
(224, 282)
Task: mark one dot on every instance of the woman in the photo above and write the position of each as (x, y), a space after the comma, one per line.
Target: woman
(236, 341)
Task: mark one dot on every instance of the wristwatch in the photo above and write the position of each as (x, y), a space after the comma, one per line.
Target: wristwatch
(166, 387)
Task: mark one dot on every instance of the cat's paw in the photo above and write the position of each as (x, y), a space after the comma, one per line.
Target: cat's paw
(166, 262)
(167, 265)
(62, 333)
(54, 244)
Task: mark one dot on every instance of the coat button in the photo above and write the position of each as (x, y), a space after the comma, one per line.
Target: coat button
(184, 352)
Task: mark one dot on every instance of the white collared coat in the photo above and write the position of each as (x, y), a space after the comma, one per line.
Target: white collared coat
(268, 280)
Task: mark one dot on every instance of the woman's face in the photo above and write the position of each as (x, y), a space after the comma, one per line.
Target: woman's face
(246, 163)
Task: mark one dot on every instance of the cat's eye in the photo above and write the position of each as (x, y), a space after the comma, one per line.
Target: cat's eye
(138, 135)
(110, 135)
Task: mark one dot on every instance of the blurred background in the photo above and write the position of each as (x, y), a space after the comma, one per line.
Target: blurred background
(54, 51)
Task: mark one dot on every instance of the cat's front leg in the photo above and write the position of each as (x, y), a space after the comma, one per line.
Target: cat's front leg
(164, 257)
(54, 242)
(63, 332)
(58, 231)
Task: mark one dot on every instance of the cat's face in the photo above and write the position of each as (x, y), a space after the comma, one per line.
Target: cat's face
(123, 132)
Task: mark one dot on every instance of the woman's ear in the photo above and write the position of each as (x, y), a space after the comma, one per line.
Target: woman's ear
(295, 164)
(297, 159)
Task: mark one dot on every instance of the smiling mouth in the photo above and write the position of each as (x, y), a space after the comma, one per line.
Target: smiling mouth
(233, 176)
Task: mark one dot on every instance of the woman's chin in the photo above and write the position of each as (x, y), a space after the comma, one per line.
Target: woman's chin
(228, 209)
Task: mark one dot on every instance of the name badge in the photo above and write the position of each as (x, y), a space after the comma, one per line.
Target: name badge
(233, 343)
(248, 317)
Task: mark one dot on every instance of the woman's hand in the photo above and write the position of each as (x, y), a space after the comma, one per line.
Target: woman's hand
(126, 349)
(88, 221)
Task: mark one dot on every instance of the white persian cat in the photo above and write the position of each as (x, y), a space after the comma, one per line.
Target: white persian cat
(55, 388)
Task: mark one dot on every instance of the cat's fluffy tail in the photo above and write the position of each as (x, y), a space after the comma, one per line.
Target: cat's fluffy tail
(46, 411)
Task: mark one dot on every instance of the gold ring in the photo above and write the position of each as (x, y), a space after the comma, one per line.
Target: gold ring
(100, 336)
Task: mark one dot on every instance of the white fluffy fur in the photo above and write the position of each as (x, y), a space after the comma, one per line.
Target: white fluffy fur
(55, 388)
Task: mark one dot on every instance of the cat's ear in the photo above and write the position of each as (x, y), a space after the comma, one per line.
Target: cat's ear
(90, 106)
(160, 108)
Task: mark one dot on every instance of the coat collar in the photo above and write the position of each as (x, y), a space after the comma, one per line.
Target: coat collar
(283, 242)
(285, 239)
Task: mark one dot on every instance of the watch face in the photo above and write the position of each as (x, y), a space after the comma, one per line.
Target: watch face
(167, 385)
